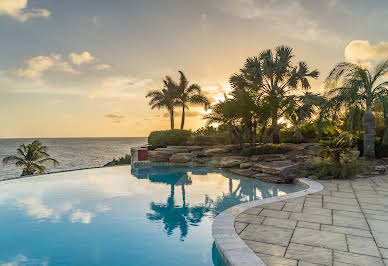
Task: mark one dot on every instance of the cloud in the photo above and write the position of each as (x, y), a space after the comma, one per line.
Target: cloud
(119, 87)
(81, 217)
(361, 51)
(35, 66)
(35, 208)
(18, 10)
(116, 118)
(292, 21)
(82, 58)
(103, 67)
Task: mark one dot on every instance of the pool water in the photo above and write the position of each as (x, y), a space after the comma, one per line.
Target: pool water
(120, 216)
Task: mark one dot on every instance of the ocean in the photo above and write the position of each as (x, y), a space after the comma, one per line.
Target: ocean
(72, 153)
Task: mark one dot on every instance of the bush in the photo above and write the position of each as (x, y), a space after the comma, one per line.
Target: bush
(208, 140)
(309, 131)
(164, 138)
(325, 169)
(286, 136)
(121, 161)
(267, 149)
(380, 148)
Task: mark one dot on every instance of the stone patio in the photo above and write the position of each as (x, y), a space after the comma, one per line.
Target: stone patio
(344, 224)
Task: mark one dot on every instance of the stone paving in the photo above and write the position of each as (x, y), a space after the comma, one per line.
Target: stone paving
(345, 224)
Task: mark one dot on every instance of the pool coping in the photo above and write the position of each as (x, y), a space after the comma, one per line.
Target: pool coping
(231, 247)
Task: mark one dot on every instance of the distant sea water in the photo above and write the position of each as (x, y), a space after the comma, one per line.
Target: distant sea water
(72, 153)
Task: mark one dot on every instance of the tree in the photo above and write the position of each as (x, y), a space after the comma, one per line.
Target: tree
(274, 77)
(189, 94)
(31, 158)
(352, 84)
(165, 98)
(300, 109)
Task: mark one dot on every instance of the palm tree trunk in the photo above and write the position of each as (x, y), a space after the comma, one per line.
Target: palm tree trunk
(172, 118)
(230, 135)
(183, 117)
(275, 128)
(369, 124)
(385, 105)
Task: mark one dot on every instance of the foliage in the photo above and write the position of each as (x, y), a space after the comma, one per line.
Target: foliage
(175, 94)
(267, 149)
(380, 147)
(286, 135)
(121, 161)
(309, 131)
(207, 140)
(270, 79)
(189, 94)
(353, 86)
(324, 169)
(334, 148)
(164, 138)
(166, 97)
(211, 131)
(31, 158)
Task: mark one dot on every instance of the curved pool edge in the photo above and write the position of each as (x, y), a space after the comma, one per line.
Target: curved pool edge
(231, 247)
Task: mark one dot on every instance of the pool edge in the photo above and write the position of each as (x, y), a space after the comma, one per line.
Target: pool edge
(231, 247)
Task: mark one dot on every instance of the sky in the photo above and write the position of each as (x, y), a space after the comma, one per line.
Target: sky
(82, 68)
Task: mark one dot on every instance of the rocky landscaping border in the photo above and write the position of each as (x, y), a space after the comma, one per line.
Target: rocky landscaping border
(232, 248)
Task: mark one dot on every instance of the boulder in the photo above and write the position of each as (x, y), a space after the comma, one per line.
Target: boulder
(181, 158)
(188, 148)
(242, 172)
(268, 157)
(159, 156)
(228, 161)
(269, 178)
(350, 157)
(272, 168)
(246, 165)
(173, 149)
(215, 151)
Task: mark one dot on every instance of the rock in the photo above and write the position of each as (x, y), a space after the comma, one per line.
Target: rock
(268, 157)
(242, 172)
(215, 151)
(272, 168)
(173, 149)
(181, 158)
(159, 156)
(269, 178)
(381, 169)
(188, 148)
(246, 165)
(289, 173)
(228, 161)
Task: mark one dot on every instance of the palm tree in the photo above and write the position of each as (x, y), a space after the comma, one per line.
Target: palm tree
(273, 76)
(352, 84)
(31, 158)
(165, 98)
(189, 94)
(300, 109)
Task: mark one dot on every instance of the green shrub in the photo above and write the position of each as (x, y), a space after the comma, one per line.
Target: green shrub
(208, 140)
(121, 161)
(325, 169)
(267, 149)
(380, 148)
(286, 135)
(164, 138)
(309, 131)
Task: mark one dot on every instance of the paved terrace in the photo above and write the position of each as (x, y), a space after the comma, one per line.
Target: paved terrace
(345, 224)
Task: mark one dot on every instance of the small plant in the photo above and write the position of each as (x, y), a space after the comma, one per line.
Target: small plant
(267, 149)
(121, 161)
(164, 138)
(334, 148)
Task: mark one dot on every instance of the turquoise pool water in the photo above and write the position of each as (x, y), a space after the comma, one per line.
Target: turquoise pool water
(119, 216)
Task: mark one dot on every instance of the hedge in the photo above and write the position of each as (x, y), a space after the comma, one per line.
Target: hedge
(164, 138)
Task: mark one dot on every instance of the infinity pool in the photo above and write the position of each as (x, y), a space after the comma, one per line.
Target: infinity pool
(120, 216)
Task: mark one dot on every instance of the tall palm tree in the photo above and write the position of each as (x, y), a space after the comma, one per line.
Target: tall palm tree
(274, 77)
(31, 158)
(302, 108)
(165, 98)
(352, 84)
(189, 94)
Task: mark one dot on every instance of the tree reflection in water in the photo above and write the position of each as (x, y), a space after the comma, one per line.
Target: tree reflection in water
(182, 216)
